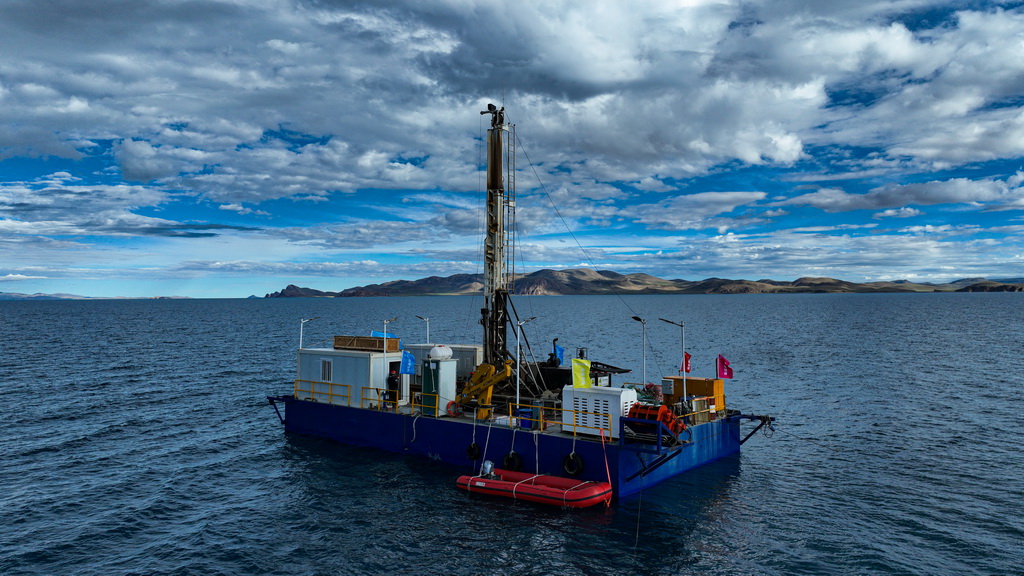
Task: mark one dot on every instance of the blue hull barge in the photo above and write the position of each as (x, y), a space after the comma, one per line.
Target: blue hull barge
(470, 405)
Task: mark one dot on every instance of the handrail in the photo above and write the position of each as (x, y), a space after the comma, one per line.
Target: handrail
(381, 401)
(543, 422)
(421, 405)
(342, 394)
(706, 414)
(313, 393)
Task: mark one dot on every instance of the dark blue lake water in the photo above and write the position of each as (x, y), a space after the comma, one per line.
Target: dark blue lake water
(136, 439)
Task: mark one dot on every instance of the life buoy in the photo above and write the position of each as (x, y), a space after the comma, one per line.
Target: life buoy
(572, 464)
(473, 451)
(454, 409)
(513, 461)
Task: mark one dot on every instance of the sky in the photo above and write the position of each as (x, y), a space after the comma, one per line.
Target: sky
(223, 148)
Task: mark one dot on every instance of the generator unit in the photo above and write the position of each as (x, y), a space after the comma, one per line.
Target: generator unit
(590, 410)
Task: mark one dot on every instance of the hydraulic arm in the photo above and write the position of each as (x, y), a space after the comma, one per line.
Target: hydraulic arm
(477, 392)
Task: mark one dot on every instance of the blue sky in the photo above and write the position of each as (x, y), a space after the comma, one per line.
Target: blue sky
(225, 148)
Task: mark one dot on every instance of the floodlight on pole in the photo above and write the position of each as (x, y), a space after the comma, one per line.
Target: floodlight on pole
(302, 325)
(386, 373)
(519, 351)
(643, 323)
(427, 320)
(682, 345)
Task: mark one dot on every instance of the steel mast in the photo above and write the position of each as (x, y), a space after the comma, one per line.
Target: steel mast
(494, 316)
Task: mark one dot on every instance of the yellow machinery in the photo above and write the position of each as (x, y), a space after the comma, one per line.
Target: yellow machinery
(481, 385)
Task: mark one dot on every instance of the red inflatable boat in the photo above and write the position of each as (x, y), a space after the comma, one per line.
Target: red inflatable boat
(566, 492)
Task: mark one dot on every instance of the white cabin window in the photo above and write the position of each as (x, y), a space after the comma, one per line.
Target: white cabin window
(326, 370)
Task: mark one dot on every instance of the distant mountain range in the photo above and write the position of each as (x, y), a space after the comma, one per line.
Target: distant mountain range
(19, 296)
(583, 281)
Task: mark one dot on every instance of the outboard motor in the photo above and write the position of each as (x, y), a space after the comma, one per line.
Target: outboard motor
(487, 470)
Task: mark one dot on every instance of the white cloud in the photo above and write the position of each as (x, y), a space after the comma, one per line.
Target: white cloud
(148, 114)
(694, 211)
(904, 212)
(952, 191)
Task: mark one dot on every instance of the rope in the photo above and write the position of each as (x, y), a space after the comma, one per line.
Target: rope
(516, 486)
(565, 492)
(512, 448)
(536, 452)
(607, 471)
(415, 418)
(773, 430)
(586, 255)
(558, 213)
(639, 505)
(486, 443)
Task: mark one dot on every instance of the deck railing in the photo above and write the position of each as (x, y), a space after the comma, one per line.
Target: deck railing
(702, 410)
(421, 404)
(328, 392)
(533, 417)
(526, 416)
(376, 398)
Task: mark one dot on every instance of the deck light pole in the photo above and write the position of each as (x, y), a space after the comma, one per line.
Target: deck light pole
(682, 345)
(519, 352)
(427, 320)
(302, 324)
(386, 373)
(644, 325)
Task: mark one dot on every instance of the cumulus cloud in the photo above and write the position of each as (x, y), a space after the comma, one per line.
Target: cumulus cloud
(302, 120)
(670, 90)
(904, 212)
(695, 211)
(953, 191)
(48, 208)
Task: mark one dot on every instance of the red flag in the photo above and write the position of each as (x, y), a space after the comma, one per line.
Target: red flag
(686, 363)
(724, 370)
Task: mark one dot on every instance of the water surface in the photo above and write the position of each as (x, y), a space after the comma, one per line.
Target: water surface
(137, 440)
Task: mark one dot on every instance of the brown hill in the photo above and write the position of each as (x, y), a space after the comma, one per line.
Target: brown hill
(584, 281)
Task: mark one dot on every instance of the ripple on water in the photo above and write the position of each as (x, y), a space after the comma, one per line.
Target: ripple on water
(147, 447)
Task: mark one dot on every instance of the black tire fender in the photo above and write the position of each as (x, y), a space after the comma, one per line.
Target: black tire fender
(513, 462)
(572, 464)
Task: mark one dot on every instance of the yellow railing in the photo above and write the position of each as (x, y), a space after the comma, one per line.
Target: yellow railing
(540, 417)
(425, 408)
(703, 412)
(515, 419)
(328, 392)
(375, 398)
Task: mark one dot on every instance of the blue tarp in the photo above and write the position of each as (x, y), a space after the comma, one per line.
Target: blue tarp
(390, 336)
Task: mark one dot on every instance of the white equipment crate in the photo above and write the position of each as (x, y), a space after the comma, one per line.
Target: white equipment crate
(589, 410)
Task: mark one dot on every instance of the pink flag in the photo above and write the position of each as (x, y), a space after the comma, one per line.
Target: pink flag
(724, 370)
(686, 363)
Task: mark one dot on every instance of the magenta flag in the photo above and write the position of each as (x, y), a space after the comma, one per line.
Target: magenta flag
(724, 370)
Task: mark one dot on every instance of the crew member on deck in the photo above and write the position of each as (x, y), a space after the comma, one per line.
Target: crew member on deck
(392, 394)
